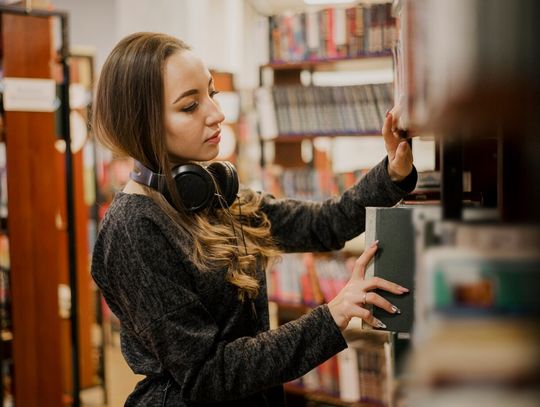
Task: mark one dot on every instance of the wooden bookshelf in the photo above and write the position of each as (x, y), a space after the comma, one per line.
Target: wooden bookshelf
(298, 138)
(324, 64)
(360, 115)
(322, 397)
(486, 124)
(36, 224)
(288, 312)
(35, 241)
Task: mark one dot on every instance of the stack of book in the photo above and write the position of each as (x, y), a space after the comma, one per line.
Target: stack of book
(332, 33)
(323, 110)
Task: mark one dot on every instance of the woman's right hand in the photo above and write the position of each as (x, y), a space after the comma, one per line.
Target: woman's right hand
(352, 299)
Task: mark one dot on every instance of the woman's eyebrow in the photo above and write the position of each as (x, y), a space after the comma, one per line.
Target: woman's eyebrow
(191, 92)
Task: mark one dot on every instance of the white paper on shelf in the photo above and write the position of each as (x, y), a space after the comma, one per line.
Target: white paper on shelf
(424, 154)
(353, 153)
(29, 95)
(267, 114)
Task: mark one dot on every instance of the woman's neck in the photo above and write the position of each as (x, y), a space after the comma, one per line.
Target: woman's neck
(133, 187)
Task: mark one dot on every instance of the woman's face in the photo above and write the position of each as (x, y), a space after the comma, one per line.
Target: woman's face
(192, 116)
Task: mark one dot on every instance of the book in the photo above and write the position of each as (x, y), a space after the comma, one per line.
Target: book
(480, 354)
(366, 367)
(349, 381)
(394, 261)
(467, 283)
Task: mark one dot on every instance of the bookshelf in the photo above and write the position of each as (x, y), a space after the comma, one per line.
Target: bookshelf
(314, 95)
(44, 218)
(475, 263)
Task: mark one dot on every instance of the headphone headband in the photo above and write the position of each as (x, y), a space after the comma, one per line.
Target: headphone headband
(195, 184)
(146, 176)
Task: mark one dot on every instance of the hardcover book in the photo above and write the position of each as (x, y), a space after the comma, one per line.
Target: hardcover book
(394, 261)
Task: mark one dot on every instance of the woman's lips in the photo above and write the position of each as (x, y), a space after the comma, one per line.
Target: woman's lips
(215, 138)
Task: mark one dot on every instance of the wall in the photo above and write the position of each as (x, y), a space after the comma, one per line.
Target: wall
(92, 24)
(218, 30)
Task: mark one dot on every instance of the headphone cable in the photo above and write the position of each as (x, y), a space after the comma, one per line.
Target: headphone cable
(240, 221)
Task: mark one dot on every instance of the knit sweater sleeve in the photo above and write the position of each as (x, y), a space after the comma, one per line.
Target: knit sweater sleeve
(299, 226)
(172, 323)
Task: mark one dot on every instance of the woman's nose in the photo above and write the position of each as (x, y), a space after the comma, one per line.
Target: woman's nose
(215, 114)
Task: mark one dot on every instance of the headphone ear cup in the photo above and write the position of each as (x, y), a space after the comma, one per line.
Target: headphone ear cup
(227, 181)
(194, 185)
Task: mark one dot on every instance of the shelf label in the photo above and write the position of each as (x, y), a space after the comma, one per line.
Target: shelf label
(29, 95)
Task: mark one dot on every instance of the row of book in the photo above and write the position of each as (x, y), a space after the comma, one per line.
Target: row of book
(308, 278)
(323, 110)
(312, 184)
(360, 373)
(332, 32)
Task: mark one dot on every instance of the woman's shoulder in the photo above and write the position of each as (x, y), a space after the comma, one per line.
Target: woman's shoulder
(127, 207)
(136, 213)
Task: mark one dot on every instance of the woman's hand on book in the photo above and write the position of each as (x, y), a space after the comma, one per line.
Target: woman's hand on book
(400, 158)
(353, 298)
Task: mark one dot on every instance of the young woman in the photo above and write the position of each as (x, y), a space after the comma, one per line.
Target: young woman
(181, 257)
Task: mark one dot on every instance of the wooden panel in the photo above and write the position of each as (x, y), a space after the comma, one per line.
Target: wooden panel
(289, 155)
(223, 81)
(86, 312)
(290, 77)
(33, 204)
(84, 283)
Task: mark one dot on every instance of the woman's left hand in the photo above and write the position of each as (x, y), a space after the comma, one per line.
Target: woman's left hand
(400, 158)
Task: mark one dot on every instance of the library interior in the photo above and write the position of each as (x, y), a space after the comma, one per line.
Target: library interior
(316, 103)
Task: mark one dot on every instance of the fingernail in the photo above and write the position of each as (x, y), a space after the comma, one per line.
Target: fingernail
(375, 243)
(387, 113)
(379, 324)
(396, 310)
(403, 289)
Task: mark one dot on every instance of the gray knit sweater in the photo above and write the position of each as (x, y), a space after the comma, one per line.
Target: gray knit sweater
(187, 332)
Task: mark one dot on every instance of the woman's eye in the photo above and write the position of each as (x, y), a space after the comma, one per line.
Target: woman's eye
(191, 107)
(213, 93)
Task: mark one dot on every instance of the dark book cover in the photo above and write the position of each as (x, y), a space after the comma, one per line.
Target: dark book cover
(394, 261)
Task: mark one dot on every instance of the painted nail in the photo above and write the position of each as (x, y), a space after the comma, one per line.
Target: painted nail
(387, 113)
(379, 324)
(403, 289)
(396, 310)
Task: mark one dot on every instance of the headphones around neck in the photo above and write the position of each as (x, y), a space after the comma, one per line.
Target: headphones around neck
(199, 187)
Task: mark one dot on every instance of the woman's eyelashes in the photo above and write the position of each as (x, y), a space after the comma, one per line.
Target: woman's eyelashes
(193, 106)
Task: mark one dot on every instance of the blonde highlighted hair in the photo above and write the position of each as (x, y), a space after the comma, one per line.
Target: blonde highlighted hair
(128, 119)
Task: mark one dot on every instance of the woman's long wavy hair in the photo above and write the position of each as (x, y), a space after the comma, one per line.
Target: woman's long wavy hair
(128, 118)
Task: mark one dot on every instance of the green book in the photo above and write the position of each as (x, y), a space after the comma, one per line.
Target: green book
(394, 261)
